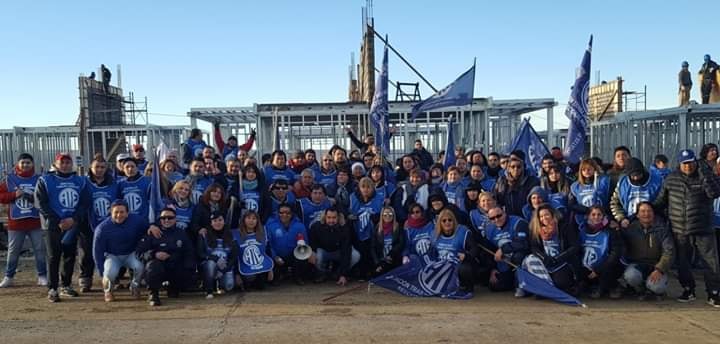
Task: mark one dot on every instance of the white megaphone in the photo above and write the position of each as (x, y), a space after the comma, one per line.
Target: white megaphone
(302, 251)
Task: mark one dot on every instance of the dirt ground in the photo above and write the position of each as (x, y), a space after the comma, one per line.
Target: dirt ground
(288, 313)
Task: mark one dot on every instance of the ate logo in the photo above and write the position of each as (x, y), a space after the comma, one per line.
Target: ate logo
(435, 277)
(102, 207)
(68, 198)
(134, 201)
(252, 256)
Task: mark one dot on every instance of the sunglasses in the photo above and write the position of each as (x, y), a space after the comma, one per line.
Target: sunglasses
(496, 217)
(328, 160)
(387, 214)
(447, 220)
(162, 218)
(280, 188)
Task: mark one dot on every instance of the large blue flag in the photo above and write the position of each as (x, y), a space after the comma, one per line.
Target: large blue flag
(156, 198)
(379, 116)
(417, 279)
(538, 286)
(458, 93)
(449, 158)
(528, 141)
(577, 110)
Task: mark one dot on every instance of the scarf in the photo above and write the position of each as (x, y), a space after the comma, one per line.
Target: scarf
(181, 203)
(596, 227)
(387, 228)
(415, 223)
(437, 180)
(250, 185)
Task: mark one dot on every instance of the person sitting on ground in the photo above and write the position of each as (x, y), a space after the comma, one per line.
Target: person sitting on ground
(418, 234)
(453, 242)
(331, 242)
(284, 230)
(508, 237)
(602, 248)
(114, 246)
(218, 255)
(255, 264)
(168, 256)
(388, 242)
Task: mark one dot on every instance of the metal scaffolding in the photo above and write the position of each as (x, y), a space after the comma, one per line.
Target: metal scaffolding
(486, 123)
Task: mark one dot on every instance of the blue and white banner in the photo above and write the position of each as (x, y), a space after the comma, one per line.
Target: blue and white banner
(417, 279)
(577, 110)
(539, 282)
(458, 93)
(528, 141)
(379, 116)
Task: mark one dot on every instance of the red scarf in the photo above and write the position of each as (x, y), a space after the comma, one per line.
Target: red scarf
(387, 228)
(415, 223)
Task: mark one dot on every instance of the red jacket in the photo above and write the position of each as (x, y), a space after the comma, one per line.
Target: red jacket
(8, 197)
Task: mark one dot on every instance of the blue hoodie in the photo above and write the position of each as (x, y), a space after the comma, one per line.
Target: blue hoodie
(527, 209)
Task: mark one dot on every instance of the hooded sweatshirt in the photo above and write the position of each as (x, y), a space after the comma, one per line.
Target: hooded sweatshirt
(528, 209)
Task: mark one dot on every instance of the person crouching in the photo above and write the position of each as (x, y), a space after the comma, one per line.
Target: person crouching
(218, 254)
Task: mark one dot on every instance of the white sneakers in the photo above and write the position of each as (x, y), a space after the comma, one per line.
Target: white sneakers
(6, 282)
(42, 281)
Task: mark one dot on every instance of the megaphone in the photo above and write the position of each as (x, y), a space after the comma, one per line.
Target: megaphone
(302, 251)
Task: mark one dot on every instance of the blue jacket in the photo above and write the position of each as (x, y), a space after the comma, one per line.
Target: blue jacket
(117, 239)
(284, 239)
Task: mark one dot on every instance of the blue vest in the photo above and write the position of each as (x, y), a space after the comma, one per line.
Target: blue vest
(325, 179)
(252, 257)
(631, 195)
(386, 190)
(552, 248)
(364, 212)
(596, 248)
(272, 175)
(141, 166)
(198, 188)
(22, 208)
(312, 212)
(419, 240)
(100, 199)
(559, 201)
(137, 195)
(480, 221)
(174, 177)
(251, 200)
(449, 248)
(502, 236)
(184, 216)
(196, 147)
(64, 193)
(454, 193)
(589, 195)
(387, 243)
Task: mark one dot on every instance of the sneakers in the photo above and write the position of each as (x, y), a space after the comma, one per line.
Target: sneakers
(42, 281)
(616, 293)
(85, 284)
(519, 293)
(53, 296)
(154, 299)
(68, 292)
(596, 294)
(6, 282)
(688, 295)
(209, 296)
(714, 299)
(109, 297)
(135, 292)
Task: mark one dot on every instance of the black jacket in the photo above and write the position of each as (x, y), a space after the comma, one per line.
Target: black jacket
(205, 247)
(569, 247)
(48, 218)
(201, 218)
(398, 245)
(689, 200)
(513, 198)
(426, 159)
(333, 239)
(173, 241)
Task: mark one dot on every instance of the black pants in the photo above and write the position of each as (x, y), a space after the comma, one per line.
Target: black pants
(606, 280)
(87, 264)
(157, 272)
(365, 266)
(56, 252)
(505, 281)
(705, 247)
(301, 269)
(466, 274)
(705, 90)
(564, 278)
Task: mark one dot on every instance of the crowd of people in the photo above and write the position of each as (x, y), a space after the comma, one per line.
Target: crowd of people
(231, 222)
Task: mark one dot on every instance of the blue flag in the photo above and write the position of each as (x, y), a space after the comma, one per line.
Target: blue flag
(416, 279)
(577, 110)
(458, 93)
(156, 198)
(379, 116)
(528, 141)
(538, 286)
(449, 158)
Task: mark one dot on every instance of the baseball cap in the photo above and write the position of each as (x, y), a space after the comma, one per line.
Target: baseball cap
(686, 155)
(62, 155)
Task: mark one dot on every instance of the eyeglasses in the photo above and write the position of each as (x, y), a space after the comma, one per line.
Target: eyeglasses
(167, 218)
(328, 160)
(447, 221)
(496, 217)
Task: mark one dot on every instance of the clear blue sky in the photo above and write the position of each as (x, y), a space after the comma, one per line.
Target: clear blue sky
(183, 54)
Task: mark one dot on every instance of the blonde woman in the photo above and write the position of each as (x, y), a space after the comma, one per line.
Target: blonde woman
(388, 242)
(591, 188)
(179, 199)
(557, 245)
(453, 242)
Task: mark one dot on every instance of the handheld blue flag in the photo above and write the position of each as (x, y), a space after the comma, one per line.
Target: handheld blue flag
(417, 279)
(449, 158)
(156, 199)
(538, 286)
(577, 110)
(528, 141)
(379, 116)
(458, 93)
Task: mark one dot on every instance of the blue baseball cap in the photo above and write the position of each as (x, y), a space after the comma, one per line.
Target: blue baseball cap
(686, 155)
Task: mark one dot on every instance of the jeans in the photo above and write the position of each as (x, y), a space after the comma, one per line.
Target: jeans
(16, 239)
(324, 258)
(636, 276)
(211, 274)
(113, 264)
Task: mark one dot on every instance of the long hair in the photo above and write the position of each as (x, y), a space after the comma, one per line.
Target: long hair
(366, 182)
(535, 224)
(259, 230)
(173, 192)
(488, 195)
(205, 199)
(587, 163)
(563, 185)
(395, 226)
(445, 213)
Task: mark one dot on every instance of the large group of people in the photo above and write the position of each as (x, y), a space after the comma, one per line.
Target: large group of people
(233, 222)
